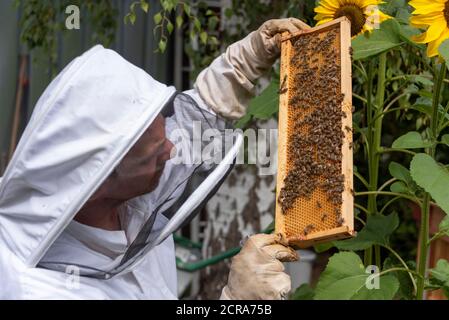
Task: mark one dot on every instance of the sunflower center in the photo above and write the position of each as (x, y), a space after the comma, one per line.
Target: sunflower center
(446, 12)
(355, 14)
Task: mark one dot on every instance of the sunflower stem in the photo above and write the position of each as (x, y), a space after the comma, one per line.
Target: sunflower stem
(369, 115)
(425, 208)
(375, 129)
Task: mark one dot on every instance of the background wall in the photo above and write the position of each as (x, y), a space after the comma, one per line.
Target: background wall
(135, 43)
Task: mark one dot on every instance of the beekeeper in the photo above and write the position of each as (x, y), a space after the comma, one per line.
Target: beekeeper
(107, 169)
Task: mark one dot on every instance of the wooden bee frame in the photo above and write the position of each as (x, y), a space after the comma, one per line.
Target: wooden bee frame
(315, 219)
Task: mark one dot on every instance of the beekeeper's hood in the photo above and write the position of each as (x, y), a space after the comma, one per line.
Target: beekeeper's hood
(82, 126)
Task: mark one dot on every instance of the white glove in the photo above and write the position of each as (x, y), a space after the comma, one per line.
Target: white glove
(257, 272)
(227, 85)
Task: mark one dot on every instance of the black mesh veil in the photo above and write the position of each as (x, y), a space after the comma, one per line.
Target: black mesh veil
(206, 147)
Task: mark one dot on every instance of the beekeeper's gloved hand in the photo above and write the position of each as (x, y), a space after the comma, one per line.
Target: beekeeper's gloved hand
(257, 271)
(228, 84)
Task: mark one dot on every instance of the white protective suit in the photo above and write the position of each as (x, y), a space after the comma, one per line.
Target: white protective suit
(84, 123)
(82, 126)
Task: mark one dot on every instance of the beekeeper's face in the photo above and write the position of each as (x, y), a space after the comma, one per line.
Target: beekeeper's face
(139, 171)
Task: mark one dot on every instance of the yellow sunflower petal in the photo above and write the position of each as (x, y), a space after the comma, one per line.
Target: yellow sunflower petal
(324, 10)
(320, 16)
(434, 31)
(432, 48)
(330, 4)
(324, 21)
(420, 37)
(429, 7)
(424, 19)
(364, 3)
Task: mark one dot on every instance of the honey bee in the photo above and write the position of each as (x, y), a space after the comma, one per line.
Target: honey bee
(323, 217)
(308, 229)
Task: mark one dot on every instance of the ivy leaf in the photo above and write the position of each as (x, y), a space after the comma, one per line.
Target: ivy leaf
(303, 292)
(345, 278)
(126, 18)
(445, 139)
(179, 21)
(157, 18)
(440, 276)
(432, 177)
(144, 5)
(170, 27)
(187, 9)
(162, 45)
(203, 37)
(197, 24)
(410, 140)
(132, 17)
(387, 37)
(212, 23)
(377, 230)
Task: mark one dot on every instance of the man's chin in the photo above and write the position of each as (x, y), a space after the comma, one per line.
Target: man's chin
(155, 180)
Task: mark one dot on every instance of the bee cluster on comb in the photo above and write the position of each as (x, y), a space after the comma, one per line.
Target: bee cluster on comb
(314, 200)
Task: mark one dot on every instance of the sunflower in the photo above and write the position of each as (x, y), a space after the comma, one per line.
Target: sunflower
(433, 15)
(363, 14)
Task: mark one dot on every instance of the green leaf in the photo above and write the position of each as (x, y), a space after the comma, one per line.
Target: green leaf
(405, 283)
(168, 5)
(170, 27)
(387, 37)
(162, 45)
(410, 140)
(212, 23)
(126, 18)
(377, 230)
(345, 278)
(444, 51)
(303, 292)
(440, 276)
(266, 104)
(179, 21)
(443, 227)
(323, 247)
(144, 5)
(423, 80)
(187, 9)
(399, 187)
(399, 172)
(432, 177)
(157, 18)
(132, 17)
(445, 139)
(203, 37)
(197, 24)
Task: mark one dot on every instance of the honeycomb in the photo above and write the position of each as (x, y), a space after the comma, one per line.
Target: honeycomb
(314, 184)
